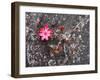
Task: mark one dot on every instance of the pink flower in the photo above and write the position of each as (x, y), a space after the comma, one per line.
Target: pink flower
(45, 33)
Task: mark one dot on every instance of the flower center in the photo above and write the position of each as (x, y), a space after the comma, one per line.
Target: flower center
(45, 33)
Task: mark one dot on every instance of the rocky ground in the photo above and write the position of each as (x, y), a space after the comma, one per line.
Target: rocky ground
(67, 44)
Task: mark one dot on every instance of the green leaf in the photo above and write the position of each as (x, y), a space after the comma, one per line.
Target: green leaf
(38, 26)
(62, 23)
(54, 41)
(47, 19)
(35, 17)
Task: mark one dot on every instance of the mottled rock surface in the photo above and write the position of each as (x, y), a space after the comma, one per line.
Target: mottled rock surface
(69, 44)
